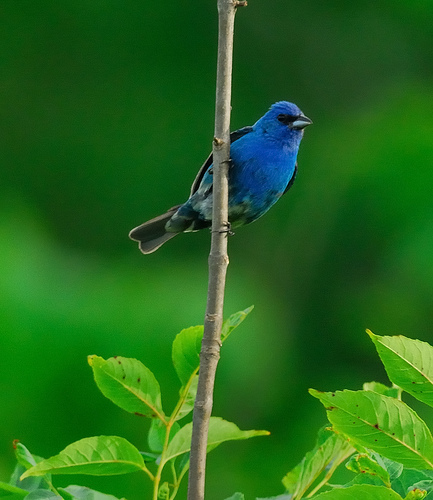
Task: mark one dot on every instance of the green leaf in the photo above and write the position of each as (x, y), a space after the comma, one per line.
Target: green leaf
(128, 384)
(97, 456)
(43, 495)
(187, 345)
(186, 352)
(359, 492)
(363, 464)
(426, 485)
(23, 456)
(12, 492)
(150, 457)
(408, 479)
(408, 363)
(394, 469)
(219, 431)
(233, 322)
(384, 424)
(237, 496)
(164, 491)
(416, 494)
(393, 392)
(330, 447)
(278, 497)
(182, 465)
(29, 483)
(66, 495)
(83, 493)
(25, 460)
(157, 433)
(362, 479)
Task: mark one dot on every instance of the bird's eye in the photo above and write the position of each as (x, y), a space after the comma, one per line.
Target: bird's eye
(287, 119)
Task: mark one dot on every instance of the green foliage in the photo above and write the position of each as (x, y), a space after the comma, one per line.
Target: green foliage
(330, 450)
(379, 438)
(133, 387)
(186, 352)
(74, 492)
(394, 457)
(388, 446)
(356, 492)
(383, 441)
(97, 456)
(362, 463)
(408, 363)
(129, 385)
(219, 431)
(236, 496)
(382, 423)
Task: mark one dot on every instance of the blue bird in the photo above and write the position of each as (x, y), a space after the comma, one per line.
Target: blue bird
(263, 167)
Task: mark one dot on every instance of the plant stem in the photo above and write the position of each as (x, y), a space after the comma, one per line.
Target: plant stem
(218, 258)
(147, 471)
(169, 424)
(157, 478)
(329, 474)
(177, 483)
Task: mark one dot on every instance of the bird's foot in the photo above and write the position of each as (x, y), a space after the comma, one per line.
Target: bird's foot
(226, 228)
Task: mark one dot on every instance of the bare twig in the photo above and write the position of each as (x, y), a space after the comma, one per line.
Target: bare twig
(218, 258)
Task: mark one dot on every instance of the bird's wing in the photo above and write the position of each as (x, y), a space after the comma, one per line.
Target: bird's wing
(292, 180)
(234, 136)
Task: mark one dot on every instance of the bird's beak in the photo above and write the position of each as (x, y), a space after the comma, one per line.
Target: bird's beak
(301, 122)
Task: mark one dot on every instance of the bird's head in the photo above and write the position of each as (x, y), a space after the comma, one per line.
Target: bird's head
(284, 121)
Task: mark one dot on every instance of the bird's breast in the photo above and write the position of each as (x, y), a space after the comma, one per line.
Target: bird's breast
(261, 172)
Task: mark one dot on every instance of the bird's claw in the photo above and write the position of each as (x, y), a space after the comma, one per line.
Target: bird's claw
(227, 228)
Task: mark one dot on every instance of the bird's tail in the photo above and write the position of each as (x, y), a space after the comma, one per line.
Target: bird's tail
(152, 234)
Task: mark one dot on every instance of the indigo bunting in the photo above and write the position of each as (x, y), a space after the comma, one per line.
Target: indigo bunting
(263, 167)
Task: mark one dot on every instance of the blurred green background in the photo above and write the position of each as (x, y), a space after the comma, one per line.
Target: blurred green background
(106, 113)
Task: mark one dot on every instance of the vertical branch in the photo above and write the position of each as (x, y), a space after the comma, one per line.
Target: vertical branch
(218, 258)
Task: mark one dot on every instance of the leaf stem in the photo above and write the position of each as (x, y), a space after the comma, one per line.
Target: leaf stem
(177, 484)
(51, 486)
(147, 471)
(169, 424)
(182, 398)
(329, 474)
(173, 471)
(157, 478)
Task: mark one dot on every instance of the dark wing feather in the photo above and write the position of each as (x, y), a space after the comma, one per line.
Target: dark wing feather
(292, 180)
(234, 136)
